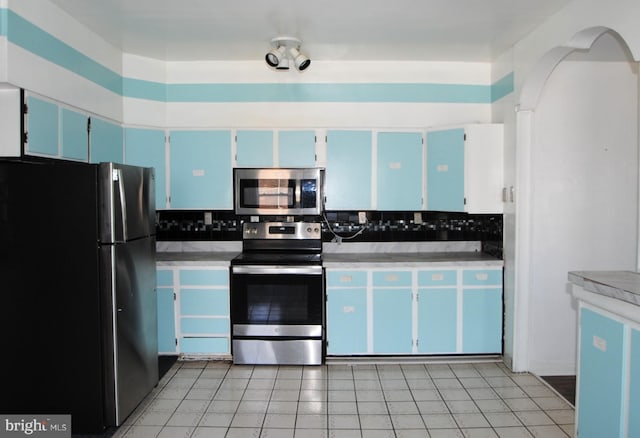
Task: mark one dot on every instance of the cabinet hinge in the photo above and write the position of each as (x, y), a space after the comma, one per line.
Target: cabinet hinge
(88, 124)
(167, 139)
(315, 139)
(465, 137)
(236, 139)
(176, 339)
(174, 297)
(465, 201)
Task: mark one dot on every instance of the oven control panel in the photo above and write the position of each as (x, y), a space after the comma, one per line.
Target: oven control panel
(282, 230)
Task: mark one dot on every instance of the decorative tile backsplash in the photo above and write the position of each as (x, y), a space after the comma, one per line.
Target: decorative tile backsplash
(380, 226)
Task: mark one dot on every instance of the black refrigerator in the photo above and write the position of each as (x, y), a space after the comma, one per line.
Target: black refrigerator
(77, 266)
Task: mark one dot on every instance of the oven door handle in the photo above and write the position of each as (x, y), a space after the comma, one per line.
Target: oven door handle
(277, 269)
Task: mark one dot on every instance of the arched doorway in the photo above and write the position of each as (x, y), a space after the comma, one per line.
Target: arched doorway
(577, 147)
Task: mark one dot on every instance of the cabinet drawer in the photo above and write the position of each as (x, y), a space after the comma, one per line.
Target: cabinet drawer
(204, 302)
(346, 278)
(164, 277)
(392, 278)
(204, 345)
(438, 278)
(204, 325)
(480, 277)
(204, 277)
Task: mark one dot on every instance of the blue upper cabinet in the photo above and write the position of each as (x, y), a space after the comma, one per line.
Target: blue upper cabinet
(445, 170)
(254, 149)
(201, 170)
(146, 147)
(74, 137)
(349, 170)
(42, 127)
(106, 141)
(297, 148)
(399, 171)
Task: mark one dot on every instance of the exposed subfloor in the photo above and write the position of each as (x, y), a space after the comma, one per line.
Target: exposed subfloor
(476, 400)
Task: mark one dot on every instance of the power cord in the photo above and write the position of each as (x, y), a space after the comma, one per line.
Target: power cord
(337, 238)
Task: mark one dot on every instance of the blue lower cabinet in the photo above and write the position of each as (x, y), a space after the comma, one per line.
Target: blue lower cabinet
(204, 325)
(347, 321)
(202, 345)
(202, 310)
(482, 320)
(601, 377)
(204, 301)
(437, 321)
(392, 321)
(634, 385)
(166, 321)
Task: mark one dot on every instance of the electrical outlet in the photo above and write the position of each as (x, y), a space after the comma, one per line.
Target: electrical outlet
(362, 217)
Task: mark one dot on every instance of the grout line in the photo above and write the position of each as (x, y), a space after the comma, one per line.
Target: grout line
(326, 379)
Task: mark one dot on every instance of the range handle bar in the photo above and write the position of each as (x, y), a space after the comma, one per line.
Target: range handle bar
(277, 269)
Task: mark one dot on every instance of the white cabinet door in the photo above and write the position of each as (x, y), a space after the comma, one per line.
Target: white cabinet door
(484, 172)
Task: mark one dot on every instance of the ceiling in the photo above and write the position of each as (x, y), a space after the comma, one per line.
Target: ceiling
(425, 30)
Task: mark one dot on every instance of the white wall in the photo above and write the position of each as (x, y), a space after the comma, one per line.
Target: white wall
(503, 112)
(33, 73)
(576, 26)
(584, 201)
(318, 114)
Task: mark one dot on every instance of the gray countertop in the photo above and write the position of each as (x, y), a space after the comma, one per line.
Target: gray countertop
(344, 260)
(183, 258)
(410, 259)
(621, 285)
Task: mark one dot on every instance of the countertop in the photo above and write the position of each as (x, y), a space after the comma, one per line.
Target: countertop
(344, 256)
(185, 258)
(621, 285)
(410, 259)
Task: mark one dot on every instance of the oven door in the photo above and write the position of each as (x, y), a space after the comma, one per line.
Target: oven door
(277, 314)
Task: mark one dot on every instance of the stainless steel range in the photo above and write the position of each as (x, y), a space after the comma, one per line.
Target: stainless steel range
(277, 295)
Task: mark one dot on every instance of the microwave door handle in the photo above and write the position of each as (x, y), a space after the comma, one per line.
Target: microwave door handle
(123, 205)
(298, 184)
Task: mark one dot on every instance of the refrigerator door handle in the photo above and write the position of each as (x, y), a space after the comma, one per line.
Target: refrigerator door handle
(123, 204)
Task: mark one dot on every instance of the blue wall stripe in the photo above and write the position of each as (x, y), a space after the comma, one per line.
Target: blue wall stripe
(143, 89)
(31, 38)
(446, 93)
(502, 87)
(43, 44)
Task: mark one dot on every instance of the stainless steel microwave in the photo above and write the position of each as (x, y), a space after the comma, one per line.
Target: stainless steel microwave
(277, 191)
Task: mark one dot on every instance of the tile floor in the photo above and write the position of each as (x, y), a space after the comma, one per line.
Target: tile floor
(475, 400)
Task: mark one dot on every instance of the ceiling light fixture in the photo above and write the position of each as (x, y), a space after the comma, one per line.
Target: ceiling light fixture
(286, 49)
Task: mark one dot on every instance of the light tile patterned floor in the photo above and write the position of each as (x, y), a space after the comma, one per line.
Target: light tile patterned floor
(474, 400)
